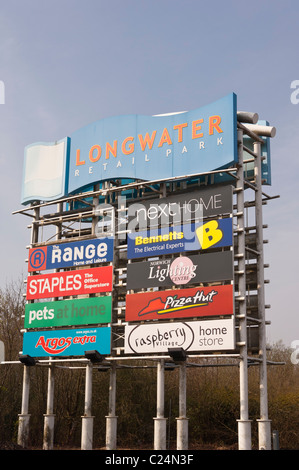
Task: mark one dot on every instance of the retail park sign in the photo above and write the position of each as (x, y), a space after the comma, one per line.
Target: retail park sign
(206, 267)
(133, 147)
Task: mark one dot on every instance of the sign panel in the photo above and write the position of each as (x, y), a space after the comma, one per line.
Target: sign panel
(206, 267)
(265, 154)
(72, 342)
(136, 147)
(65, 255)
(181, 208)
(183, 303)
(68, 312)
(154, 147)
(188, 237)
(83, 281)
(196, 336)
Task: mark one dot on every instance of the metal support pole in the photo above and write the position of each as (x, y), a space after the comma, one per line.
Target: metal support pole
(87, 419)
(24, 417)
(244, 424)
(264, 424)
(111, 419)
(182, 420)
(160, 421)
(95, 201)
(49, 417)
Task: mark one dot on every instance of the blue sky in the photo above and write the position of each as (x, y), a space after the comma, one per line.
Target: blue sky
(68, 63)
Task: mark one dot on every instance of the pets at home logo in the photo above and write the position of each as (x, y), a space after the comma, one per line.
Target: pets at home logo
(2, 92)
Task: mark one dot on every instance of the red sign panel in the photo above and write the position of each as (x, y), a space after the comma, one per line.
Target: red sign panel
(63, 284)
(195, 302)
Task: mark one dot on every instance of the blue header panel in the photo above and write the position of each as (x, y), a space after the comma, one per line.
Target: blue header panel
(155, 147)
(133, 147)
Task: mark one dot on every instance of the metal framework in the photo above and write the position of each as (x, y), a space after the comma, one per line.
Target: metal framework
(76, 218)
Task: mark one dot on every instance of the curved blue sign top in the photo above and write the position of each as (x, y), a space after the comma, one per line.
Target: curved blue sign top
(154, 147)
(147, 147)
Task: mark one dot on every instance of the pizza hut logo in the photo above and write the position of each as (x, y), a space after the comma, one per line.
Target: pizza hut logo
(175, 303)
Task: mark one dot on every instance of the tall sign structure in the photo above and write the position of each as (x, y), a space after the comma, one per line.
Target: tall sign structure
(148, 254)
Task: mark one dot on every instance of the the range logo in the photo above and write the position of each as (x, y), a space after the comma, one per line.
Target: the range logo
(63, 284)
(66, 255)
(206, 335)
(182, 270)
(183, 303)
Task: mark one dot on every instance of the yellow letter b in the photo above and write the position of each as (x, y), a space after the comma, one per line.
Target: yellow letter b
(209, 234)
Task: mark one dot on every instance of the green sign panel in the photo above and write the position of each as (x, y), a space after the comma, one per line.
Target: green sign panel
(91, 310)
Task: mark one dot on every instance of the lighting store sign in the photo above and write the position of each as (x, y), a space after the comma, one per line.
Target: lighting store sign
(206, 267)
(196, 336)
(133, 147)
(188, 237)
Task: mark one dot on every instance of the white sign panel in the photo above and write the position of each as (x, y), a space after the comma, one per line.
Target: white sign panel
(45, 171)
(206, 335)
